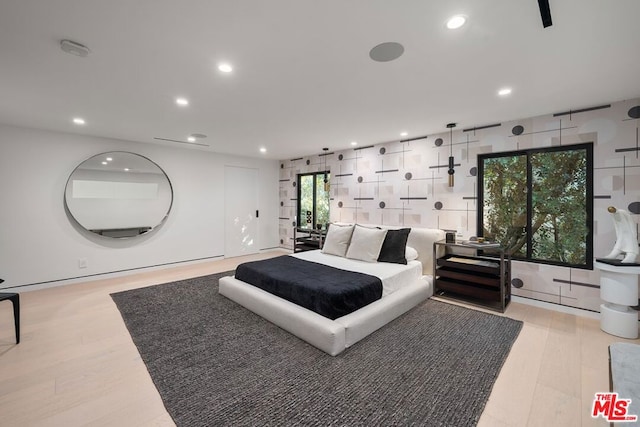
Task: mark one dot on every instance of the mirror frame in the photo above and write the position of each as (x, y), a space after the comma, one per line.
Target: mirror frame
(141, 231)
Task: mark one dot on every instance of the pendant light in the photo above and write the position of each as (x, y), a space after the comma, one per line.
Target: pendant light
(451, 170)
(326, 178)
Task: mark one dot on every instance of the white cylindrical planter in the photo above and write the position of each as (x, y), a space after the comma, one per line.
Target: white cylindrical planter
(619, 290)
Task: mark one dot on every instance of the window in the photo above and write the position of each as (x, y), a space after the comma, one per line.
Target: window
(313, 200)
(539, 203)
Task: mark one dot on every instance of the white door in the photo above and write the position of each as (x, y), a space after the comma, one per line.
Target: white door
(241, 210)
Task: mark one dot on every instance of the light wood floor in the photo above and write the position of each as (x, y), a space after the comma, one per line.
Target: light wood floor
(76, 364)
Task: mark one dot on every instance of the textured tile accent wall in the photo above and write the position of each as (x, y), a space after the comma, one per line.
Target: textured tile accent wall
(405, 183)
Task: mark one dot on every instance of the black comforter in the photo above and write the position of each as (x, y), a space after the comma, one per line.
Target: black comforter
(328, 291)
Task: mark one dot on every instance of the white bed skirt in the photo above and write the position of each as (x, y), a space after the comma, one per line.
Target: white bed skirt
(330, 336)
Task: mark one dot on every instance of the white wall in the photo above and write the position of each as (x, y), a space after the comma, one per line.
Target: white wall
(40, 243)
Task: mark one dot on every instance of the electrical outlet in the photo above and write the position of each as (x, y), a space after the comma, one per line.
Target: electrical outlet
(82, 263)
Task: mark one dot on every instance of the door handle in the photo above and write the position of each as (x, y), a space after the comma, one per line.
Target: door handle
(257, 213)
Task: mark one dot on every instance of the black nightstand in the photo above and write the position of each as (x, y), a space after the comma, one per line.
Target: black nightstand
(473, 273)
(306, 239)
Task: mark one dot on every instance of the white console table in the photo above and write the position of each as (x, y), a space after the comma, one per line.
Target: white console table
(619, 290)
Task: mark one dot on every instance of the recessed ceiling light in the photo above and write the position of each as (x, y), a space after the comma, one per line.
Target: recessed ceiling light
(183, 102)
(225, 68)
(263, 150)
(504, 91)
(109, 159)
(456, 22)
(78, 121)
(104, 163)
(126, 169)
(404, 134)
(354, 143)
(191, 139)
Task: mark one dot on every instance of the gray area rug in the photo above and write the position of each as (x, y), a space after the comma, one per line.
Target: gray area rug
(624, 361)
(216, 363)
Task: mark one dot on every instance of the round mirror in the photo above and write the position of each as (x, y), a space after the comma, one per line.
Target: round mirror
(118, 194)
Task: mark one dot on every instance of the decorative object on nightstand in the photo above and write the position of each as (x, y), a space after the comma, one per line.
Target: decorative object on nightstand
(467, 273)
(450, 237)
(480, 243)
(15, 300)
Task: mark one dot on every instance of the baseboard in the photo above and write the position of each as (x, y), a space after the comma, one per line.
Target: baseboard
(119, 273)
(105, 275)
(556, 307)
(276, 249)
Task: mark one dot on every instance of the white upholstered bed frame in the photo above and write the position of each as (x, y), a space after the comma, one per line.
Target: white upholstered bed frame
(333, 336)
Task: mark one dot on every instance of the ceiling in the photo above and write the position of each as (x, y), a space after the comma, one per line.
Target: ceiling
(302, 78)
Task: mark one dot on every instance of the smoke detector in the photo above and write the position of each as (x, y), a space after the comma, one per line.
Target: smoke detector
(74, 48)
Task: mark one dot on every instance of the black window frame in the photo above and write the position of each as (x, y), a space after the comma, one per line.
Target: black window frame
(588, 146)
(299, 223)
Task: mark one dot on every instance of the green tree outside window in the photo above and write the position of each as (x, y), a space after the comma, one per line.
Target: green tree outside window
(313, 200)
(539, 203)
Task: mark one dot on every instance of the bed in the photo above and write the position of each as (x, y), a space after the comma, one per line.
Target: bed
(403, 287)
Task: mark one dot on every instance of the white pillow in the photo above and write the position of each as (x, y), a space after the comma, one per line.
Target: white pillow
(337, 240)
(410, 254)
(366, 243)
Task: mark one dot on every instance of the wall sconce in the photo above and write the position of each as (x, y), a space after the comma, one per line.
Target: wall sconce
(451, 170)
